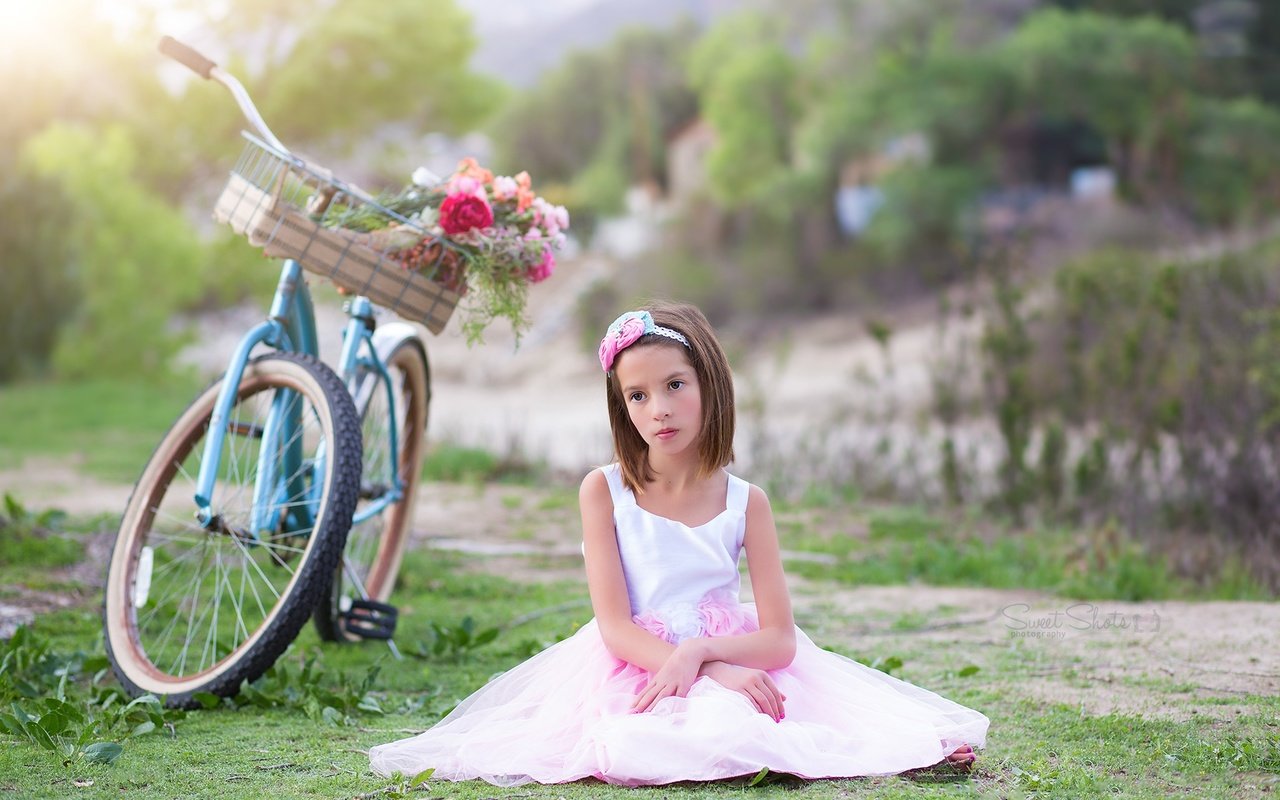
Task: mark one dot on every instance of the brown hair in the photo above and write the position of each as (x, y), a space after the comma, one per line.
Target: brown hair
(715, 381)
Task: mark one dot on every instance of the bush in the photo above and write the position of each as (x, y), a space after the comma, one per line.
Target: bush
(38, 278)
(139, 259)
(1154, 396)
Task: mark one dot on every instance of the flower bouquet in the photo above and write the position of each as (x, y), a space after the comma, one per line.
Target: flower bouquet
(482, 236)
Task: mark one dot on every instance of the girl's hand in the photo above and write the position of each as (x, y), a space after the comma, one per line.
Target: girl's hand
(676, 676)
(755, 684)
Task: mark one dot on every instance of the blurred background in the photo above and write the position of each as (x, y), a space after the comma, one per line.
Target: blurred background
(1007, 258)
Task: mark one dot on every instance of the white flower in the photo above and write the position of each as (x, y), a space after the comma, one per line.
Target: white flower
(425, 177)
(683, 622)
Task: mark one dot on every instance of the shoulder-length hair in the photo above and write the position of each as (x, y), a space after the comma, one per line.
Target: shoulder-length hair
(715, 383)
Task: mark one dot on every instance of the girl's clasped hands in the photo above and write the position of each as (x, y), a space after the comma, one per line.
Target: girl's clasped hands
(688, 661)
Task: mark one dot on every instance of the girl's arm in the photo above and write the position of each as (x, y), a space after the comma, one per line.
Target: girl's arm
(774, 645)
(607, 583)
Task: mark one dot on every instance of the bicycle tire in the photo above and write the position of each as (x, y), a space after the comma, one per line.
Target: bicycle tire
(167, 571)
(375, 547)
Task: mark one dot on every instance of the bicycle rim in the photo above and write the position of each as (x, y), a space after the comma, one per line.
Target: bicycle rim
(192, 608)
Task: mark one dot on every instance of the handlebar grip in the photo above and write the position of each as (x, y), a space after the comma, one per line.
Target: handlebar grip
(188, 56)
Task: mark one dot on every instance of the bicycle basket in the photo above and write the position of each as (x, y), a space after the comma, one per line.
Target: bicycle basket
(282, 204)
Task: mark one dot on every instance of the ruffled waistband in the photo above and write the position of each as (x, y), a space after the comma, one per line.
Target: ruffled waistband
(716, 614)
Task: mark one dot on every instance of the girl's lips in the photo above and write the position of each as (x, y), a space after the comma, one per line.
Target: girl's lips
(666, 433)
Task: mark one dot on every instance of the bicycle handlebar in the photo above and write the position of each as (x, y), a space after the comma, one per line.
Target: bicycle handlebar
(205, 67)
(187, 56)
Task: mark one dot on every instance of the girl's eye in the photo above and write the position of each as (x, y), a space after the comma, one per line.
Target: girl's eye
(636, 397)
(675, 385)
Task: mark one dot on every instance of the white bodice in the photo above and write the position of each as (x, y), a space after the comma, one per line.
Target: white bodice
(670, 567)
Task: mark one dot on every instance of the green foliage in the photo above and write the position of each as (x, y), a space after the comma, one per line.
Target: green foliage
(457, 464)
(452, 642)
(608, 111)
(1231, 174)
(747, 90)
(1145, 391)
(357, 64)
(924, 213)
(305, 686)
(38, 277)
(1129, 79)
(56, 706)
(138, 257)
(35, 539)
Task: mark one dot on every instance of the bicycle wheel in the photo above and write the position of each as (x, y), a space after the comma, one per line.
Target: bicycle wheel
(375, 545)
(200, 608)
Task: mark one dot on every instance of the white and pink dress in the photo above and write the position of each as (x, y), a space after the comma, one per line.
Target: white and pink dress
(565, 714)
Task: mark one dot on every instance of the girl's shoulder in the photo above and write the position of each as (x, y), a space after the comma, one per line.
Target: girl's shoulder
(602, 486)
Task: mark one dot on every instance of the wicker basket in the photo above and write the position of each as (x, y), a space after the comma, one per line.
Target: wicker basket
(266, 198)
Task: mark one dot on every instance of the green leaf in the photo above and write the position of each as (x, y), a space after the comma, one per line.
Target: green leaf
(143, 728)
(207, 700)
(145, 700)
(40, 736)
(759, 776)
(422, 777)
(486, 636)
(102, 753)
(969, 670)
(10, 725)
(332, 716)
(370, 704)
(13, 509)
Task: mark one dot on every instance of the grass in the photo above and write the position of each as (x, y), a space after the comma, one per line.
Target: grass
(108, 428)
(904, 545)
(281, 748)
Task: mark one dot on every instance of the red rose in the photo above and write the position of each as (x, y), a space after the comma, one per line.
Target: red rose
(460, 213)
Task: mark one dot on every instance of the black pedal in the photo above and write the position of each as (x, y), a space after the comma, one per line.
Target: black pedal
(370, 619)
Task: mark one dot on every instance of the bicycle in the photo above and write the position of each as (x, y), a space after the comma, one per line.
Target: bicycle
(285, 490)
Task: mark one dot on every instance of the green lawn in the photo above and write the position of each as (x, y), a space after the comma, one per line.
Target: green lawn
(107, 428)
(281, 746)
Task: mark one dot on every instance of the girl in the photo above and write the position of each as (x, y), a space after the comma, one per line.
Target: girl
(675, 679)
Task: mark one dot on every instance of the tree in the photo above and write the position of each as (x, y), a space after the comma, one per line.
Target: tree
(1130, 80)
(137, 259)
(607, 111)
(748, 90)
(358, 64)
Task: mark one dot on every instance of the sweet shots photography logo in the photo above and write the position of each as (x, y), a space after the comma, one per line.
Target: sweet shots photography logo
(1023, 622)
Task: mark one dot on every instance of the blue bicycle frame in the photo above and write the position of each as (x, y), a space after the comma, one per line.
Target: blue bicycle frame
(291, 327)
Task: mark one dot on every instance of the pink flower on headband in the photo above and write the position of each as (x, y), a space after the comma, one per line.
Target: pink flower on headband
(623, 333)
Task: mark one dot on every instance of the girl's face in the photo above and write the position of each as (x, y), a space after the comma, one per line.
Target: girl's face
(660, 390)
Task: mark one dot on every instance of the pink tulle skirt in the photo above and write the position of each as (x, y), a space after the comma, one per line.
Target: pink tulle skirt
(565, 714)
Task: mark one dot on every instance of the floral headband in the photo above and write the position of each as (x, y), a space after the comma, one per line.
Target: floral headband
(628, 328)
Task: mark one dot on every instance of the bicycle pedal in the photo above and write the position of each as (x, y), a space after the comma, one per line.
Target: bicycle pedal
(370, 619)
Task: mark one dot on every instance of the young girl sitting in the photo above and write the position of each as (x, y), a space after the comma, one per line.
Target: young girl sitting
(675, 679)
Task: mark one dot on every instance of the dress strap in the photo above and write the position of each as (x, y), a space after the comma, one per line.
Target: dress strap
(622, 496)
(739, 490)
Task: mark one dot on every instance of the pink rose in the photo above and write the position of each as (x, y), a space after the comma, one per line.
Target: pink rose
(460, 213)
(543, 269)
(466, 184)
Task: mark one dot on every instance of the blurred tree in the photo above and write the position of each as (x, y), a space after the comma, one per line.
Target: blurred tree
(748, 90)
(1130, 81)
(357, 64)
(1232, 173)
(137, 258)
(607, 111)
(36, 281)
